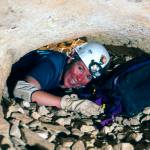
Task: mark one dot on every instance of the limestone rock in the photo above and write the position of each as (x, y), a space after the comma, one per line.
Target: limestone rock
(55, 128)
(77, 132)
(14, 130)
(14, 108)
(123, 146)
(136, 136)
(17, 141)
(4, 127)
(107, 147)
(43, 134)
(78, 145)
(43, 111)
(64, 121)
(87, 128)
(28, 135)
(22, 117)
(146, 111)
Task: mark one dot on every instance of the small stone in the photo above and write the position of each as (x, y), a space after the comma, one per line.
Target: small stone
(106, 147)
(126, 122)
(119, 120)
(6, 141)
(52, 138)
(86, 128)
(77, 132)
(64, 121)
(136, 136)
(92, 148)
(94, 133)
(147, 141)
(146, 111)
(106, 130)
(35, 115)
(43, 111)
(119, 128)
(34, 124)
(62, 113)
(14, 130)
(121, 136)
(55, 128)
(112, 135)
(18, 141)
(25, 104)
(90, 143)
(4, 126)
(22, 117)
(43, 134)
(79, 145)
(134, 121)
(87, 121)
(145, 118)
(47, 118)
(32, 139)
(123, 146)
(68, 143)
(14, 108)
(60, 147)
(128, 58)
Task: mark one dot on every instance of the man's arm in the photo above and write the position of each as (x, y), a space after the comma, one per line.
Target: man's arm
(46, 99)
(30, 90)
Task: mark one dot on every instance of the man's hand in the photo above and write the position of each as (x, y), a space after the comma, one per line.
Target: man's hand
(86, 107)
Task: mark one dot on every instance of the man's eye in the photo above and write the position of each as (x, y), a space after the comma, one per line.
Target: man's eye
(80, 68)
(89, 77)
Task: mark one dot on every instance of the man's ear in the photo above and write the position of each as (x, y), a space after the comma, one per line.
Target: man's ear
(69, 60)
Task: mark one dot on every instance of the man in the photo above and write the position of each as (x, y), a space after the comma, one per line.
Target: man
(123, 91)
(49, 70)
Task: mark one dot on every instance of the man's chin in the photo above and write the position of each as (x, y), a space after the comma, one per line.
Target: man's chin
(71, 86)
(67, 86)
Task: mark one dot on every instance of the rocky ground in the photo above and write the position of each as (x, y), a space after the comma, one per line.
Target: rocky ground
(46, 128)
(29, 126)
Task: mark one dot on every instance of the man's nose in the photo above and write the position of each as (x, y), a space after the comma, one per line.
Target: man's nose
(80, 77)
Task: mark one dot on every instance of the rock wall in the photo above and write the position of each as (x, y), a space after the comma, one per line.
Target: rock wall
(30, 24)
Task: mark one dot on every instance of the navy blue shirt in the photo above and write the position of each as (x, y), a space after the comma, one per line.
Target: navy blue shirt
(46, 66)
(49, 69)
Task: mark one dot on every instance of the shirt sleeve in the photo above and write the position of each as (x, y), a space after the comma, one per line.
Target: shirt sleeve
(44, 73)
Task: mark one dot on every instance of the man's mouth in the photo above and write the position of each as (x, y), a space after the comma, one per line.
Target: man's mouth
(73, 81)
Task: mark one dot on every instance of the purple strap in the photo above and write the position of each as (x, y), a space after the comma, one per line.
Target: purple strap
(111, 113)
(99, 101)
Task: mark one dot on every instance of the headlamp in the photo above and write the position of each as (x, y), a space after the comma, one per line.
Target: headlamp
(95, 69)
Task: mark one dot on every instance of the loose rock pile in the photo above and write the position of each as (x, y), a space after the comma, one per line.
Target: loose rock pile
(40, 127)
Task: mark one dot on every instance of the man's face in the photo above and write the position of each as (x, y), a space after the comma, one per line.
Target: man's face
(77, 75)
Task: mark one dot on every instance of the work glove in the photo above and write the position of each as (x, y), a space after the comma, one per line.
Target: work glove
(24, 90)
(85, 107)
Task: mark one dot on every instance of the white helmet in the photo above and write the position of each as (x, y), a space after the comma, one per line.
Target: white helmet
(92, 54)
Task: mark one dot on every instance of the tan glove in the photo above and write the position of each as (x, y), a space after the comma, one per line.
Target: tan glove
(24, 90)
(86, 107)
